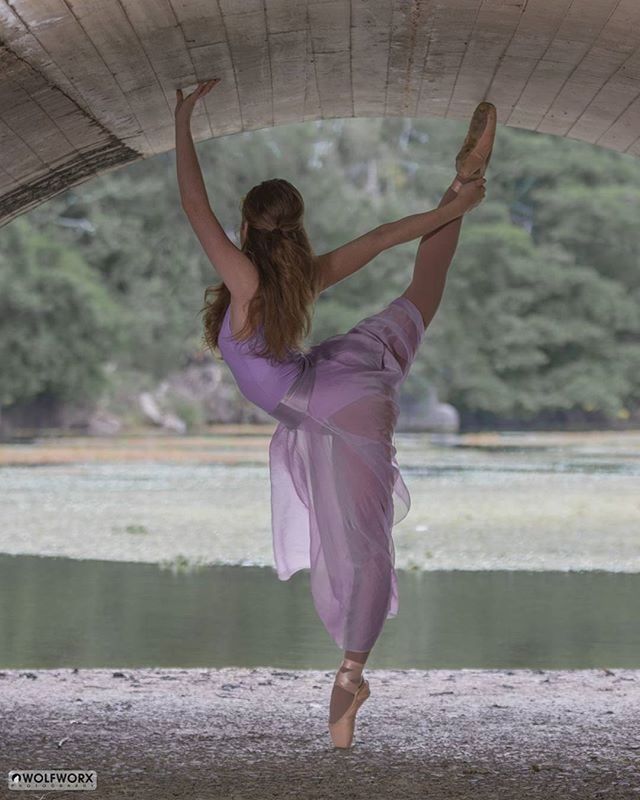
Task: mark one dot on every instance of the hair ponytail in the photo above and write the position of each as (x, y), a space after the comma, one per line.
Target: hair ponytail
(278, 245)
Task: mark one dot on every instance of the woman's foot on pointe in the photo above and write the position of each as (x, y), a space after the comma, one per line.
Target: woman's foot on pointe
(349, 693)
(341, 699)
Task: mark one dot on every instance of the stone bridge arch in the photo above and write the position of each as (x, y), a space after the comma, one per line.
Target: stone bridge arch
(89, 85)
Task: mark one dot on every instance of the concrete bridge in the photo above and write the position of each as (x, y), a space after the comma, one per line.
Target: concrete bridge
(88, 85)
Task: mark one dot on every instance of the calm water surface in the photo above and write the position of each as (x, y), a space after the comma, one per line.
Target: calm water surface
(59, 612)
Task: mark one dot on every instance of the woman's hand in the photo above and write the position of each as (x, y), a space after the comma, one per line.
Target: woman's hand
(471, 194)
(184, 105)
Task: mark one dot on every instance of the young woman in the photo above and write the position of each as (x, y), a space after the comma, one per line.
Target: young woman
(336, 489)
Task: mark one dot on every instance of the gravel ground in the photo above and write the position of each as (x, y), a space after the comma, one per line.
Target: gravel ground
(261, 733)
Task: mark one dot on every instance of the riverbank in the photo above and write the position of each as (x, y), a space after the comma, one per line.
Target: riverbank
(523, 501)
(251, 734)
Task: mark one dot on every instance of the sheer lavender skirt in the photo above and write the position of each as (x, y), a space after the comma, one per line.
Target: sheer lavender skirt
(336, 488)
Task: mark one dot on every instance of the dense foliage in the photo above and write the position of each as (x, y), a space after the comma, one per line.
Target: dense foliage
(541, 315)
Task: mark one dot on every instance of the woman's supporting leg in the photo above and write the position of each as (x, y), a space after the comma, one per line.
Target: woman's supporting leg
(435, 253)
(434, 256)
(341, 699)
(357, 549)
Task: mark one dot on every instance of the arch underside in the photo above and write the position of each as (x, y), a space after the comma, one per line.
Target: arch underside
(90, 85)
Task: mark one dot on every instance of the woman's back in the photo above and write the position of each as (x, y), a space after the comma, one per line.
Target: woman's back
(262, 380)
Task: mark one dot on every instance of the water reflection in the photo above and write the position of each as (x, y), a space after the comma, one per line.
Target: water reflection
(58, 612)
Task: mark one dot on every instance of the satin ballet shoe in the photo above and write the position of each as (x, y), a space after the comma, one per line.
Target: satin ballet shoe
(475, 153)
(342, 730)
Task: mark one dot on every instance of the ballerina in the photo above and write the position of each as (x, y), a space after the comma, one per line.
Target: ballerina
(336, 487)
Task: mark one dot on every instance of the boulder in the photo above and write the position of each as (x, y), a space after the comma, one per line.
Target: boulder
(427, 413)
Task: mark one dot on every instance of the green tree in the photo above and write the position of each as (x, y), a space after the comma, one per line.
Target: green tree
(58, 322)
(540, 315)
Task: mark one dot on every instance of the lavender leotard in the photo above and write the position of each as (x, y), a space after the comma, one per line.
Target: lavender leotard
(261, 380)
(336, 488)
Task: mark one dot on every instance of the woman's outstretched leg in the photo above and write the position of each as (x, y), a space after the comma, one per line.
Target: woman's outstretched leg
(435, 253)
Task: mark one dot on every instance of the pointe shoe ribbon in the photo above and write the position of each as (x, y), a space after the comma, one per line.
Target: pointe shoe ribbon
(342, 730)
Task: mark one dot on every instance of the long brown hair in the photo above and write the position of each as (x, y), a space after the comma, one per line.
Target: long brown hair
(278, 245)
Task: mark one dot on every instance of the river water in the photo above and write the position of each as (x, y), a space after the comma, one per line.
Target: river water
(520, 550)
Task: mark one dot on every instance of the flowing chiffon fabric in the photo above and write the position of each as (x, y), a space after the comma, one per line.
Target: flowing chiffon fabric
(336, 487)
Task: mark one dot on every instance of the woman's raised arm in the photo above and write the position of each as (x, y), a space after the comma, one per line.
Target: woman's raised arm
(337, 264)
(235, 268)
(417, 225)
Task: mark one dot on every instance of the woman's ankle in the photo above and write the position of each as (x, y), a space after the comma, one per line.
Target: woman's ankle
(357, 655)
(458, 182)
(451, 193)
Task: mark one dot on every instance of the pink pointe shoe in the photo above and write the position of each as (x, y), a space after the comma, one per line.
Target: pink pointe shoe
(342, 729)
(475, 153)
